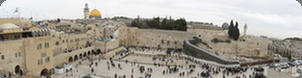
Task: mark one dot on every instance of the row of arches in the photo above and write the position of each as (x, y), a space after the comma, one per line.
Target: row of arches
(45, 72)
(19, 71)
(85, 54)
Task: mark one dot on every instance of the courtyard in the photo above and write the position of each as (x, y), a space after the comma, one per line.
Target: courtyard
(140, 65)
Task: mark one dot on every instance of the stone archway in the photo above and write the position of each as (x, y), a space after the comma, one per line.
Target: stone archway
(81, 55)
(18, 70)
(85, 54)
(93, 52)
(44, 72)
(75, 57)
(98, 51)
(70, 59)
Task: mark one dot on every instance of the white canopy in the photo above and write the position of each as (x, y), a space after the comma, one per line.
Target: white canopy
(9, 26)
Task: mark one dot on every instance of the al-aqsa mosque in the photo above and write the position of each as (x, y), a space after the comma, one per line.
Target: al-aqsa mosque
(94, 14)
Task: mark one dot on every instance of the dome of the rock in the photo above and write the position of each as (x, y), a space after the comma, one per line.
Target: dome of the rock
(95, 13)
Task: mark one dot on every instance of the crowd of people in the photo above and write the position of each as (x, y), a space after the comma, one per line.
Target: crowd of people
(185, 69)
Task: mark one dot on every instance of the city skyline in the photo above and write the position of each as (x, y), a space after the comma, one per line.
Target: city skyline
(262, 17)
(150, 38)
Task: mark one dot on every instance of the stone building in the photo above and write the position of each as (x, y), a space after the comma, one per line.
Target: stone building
(25, 51)
(32, 50)
(287, 48)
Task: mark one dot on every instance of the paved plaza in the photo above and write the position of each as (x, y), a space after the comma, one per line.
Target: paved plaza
(129, 65)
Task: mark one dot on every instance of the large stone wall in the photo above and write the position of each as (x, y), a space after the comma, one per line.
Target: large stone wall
(247, 46)
(127, 35)
(153, 38)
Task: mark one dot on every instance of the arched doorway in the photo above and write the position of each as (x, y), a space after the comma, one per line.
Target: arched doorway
(92, 52)
(98, 51)
(88, 52)
(85, 54)
(81, 56)
(70, 59)
(44, 72)
(75, 57)
(18, 70)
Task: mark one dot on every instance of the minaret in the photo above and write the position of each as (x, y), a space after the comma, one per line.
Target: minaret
(86, 11)
(245, 30)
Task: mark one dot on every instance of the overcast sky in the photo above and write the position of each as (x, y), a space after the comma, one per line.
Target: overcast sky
(273, 18)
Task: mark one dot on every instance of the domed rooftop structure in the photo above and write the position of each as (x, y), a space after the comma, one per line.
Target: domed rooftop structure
(8, 26)
(225, 25)
(95, 13)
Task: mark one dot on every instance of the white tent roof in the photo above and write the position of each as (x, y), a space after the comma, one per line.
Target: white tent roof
(9, 26)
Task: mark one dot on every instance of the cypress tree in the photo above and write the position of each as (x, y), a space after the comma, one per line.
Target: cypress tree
(236, 32)
(231, 27)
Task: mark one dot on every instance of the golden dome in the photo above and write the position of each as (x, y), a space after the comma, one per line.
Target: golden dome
(95, 13)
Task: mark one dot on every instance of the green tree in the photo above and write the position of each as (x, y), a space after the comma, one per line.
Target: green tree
(164, 24)
(135, 23)
(157, 23)
(231, 29)
(234, 32)
(154, 23)
(181, 24)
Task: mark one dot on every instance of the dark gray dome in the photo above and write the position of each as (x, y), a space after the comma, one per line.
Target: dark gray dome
(225, 25)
